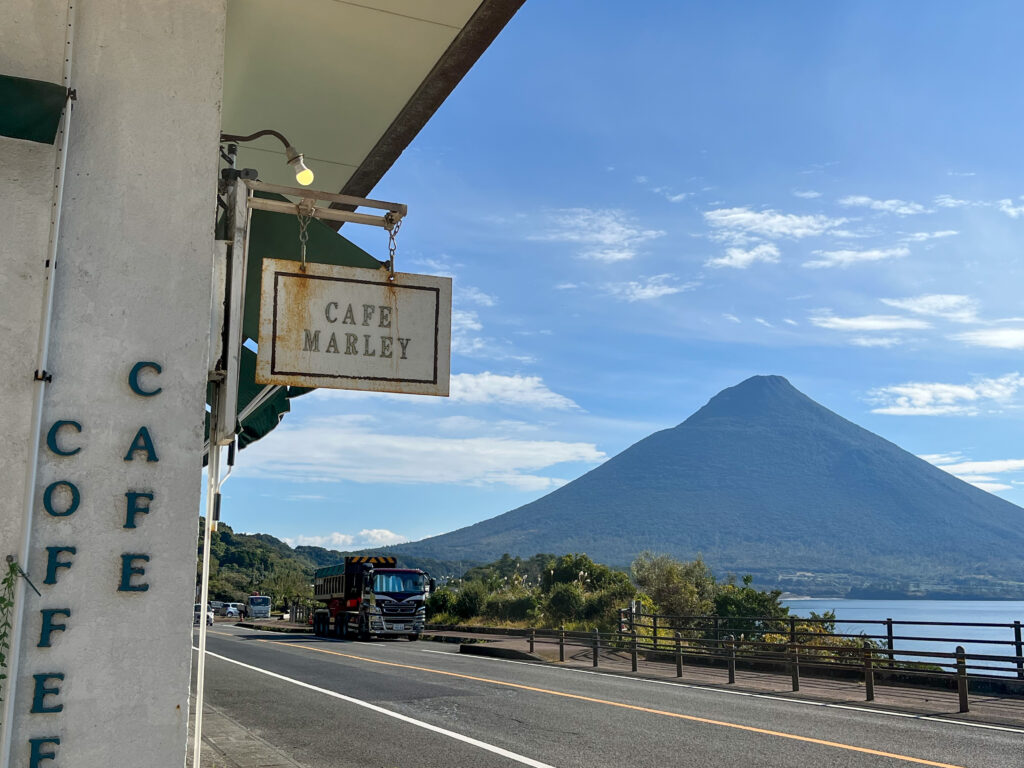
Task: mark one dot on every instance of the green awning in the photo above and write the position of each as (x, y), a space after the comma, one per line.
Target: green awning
(30, 109)
(276, 235)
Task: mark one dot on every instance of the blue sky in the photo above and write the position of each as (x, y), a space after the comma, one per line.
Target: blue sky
(643, 204)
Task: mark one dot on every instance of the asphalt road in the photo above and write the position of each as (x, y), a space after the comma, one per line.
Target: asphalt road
(396, 704)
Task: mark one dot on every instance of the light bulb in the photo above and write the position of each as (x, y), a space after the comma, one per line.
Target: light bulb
(303, 175)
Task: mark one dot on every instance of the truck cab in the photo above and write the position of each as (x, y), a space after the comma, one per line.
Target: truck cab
(368, 596)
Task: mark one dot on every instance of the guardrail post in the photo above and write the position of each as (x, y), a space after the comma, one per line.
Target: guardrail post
(633, 638)
(1020, 649)
(794, 665)
(597, 644)
(792, 629)
(732, 658)
(654, 626)
(533, 634)
(869, 674)
(889, 642)
(679, 656)
(961, 677)
(561, 643)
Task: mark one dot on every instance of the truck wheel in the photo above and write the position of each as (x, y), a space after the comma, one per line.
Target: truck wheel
(317, 624)
(364, 633)
(414, 638)
(339, 626)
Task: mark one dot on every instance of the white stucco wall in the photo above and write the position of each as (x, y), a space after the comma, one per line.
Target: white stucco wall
(26, 190)
(133, 284)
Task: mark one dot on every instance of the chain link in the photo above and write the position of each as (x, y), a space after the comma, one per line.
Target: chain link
(304, 219)
(392, 246)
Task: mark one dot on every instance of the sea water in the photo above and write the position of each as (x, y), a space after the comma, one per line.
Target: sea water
(855, 616)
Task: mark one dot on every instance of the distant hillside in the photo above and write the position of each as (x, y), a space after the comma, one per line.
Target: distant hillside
(764, 480)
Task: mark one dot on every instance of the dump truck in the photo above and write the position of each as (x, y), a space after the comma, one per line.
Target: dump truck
(367, 596)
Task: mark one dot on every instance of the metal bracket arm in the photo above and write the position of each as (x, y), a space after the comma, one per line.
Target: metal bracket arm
(395, 212)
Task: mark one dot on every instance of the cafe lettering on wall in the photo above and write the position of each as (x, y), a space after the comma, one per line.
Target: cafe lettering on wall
(67, 438)
(352, 328)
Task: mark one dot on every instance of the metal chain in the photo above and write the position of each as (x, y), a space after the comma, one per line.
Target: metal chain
(304, 219)
(392, 247)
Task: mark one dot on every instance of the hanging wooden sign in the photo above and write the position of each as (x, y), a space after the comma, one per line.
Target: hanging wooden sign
(352, 328)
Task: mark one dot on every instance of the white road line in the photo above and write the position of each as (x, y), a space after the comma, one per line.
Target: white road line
(771, 697)
(419, 723)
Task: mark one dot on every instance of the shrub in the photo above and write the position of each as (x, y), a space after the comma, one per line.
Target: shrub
(440, 601)
(510, 606)
(565, 601)
(470, 600)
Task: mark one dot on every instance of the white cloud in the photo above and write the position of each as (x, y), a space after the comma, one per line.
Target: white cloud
(740, 259)
(739, 224)
(441, 267)
(603, 235)
(465, 320)
(920, 237)
(869, 323)
(528, 391)
(985, 467)
(941, 458)
(566, 286)
(677, 198)
(731, 318)
(990, 487)
(466, 327)
(762, 321)
(333, 540)
(999, 338)
(876, 341)
(977, 473)
(938, 398)
(788, 321)
(381, 537)
(961, 173)
(846, 258)
(366, 538)
(1011, 210)
(476, 296)
(948, 201)
(898, 207)
(955, 307)
(647, 288)
(808, 194)
(337, 449)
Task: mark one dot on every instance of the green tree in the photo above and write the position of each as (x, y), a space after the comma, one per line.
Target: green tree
(750, 612)
(677, 588)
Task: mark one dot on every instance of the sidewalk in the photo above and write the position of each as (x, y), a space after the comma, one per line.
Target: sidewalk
(927, 702)
(227, 744)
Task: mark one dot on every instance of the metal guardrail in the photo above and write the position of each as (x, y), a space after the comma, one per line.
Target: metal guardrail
(895, 642)
(873, 659)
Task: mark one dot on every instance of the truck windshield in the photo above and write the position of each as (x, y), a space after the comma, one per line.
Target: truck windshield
(259, 600)
(399, 582)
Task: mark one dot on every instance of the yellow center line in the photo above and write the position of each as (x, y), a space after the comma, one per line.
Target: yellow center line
(634, 707)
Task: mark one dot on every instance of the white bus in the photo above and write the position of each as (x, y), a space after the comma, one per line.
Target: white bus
(259, 606)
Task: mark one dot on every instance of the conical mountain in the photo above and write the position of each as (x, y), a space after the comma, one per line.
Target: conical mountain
(764, 480)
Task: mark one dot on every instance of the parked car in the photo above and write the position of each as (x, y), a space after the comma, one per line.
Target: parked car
(197, 612)
(232, 609)
(217, 607)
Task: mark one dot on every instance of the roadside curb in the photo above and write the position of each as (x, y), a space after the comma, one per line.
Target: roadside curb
(273, 628)
(496, 651)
